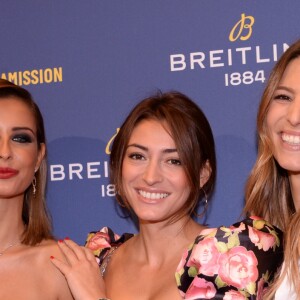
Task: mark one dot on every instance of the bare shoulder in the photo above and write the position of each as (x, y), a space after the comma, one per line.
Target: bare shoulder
(39, 257)
(43, 252)
(47, 248)
(40, 253)
(31, 270)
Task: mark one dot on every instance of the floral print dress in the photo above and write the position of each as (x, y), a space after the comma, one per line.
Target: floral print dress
(230, 263)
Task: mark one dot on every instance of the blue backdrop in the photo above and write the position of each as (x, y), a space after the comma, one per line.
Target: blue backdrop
(87, 63)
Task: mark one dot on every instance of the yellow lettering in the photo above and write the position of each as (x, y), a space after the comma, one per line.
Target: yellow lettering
(108, 146)
(13, 77)
(41, 76)
(58, 76)
(20, 82)
(246, 22)
(26, 77)
(34, 76)
(48, 76)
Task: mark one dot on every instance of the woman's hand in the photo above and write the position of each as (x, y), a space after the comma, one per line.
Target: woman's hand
(81, 271)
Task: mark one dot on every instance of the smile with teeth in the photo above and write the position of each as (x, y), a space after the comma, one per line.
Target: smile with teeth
(149, 195)
(291, 139)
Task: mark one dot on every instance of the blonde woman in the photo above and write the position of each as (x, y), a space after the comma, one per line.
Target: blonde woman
(273, 188)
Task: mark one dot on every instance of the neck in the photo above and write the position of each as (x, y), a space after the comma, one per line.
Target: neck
(295, 189)
(155, 238)
(164, 229)
(11, 224)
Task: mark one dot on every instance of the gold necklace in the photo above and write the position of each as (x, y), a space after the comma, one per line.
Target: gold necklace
(8, 247)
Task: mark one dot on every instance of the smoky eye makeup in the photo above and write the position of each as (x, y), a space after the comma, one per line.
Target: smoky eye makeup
(23, 134)
(22, 138)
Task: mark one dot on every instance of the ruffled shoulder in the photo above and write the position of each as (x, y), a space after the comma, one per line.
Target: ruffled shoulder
(102, 242)
(236, 262)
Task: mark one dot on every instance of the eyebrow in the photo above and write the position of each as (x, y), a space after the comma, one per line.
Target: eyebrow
(280, 87)
(23, 128)
(167, 150)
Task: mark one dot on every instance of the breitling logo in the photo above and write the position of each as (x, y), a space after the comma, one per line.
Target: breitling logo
(242, 29)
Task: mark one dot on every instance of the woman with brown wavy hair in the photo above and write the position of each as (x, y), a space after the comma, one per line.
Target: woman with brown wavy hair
(163, 166)
(273, 188)
(26, 241)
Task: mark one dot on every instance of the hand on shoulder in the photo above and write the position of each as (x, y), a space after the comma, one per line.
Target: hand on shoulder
(81, 270)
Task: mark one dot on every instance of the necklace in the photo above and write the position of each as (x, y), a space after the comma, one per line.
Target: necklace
(8, 247)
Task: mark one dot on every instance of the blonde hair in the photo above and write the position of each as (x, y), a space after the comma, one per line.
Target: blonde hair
(291, 260)
(268, 193)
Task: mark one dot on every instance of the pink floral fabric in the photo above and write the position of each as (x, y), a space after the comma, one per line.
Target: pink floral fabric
(102, 241)
(230, 263)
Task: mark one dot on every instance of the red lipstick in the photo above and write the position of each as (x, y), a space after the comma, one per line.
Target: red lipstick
(6, 173)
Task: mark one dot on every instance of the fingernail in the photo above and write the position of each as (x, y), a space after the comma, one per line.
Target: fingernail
(67, 238)
(51, 257)
(60, 241)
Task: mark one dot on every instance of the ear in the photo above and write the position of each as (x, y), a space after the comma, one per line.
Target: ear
(41, 155)
(205, 173)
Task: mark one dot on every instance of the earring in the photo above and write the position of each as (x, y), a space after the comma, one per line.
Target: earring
(205, 200)
(205, 196)
(34, 186)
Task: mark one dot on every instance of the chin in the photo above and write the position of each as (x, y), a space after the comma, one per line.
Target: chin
(150, 218)
(291, 167)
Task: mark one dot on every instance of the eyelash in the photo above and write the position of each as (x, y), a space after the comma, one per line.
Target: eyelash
(174, 161)
(137, 156)
(282, 97)
(22, 138)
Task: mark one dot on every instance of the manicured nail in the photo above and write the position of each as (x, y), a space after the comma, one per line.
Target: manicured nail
(67, 238)
(60, 241)
(51, 257)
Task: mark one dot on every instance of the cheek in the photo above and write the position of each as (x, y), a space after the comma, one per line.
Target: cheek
(275, 116)
(29, 160)
(269, 122)
(183, 189)
(128, 176)
(180, 180)
(270, 129)
(132, 170)
(126, 172)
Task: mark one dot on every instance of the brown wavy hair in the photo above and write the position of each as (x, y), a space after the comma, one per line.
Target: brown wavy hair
(192, 135)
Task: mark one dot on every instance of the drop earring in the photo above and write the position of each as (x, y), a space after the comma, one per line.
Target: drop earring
(34, 186)
(205, 204)
(205, 196)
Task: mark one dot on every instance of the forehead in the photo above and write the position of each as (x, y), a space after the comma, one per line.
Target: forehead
(291, 74)
(152, 132)
(14, 112)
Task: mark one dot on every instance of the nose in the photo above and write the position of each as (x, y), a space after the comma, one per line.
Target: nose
(5, 150)
(152, 173)
(293, 115)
